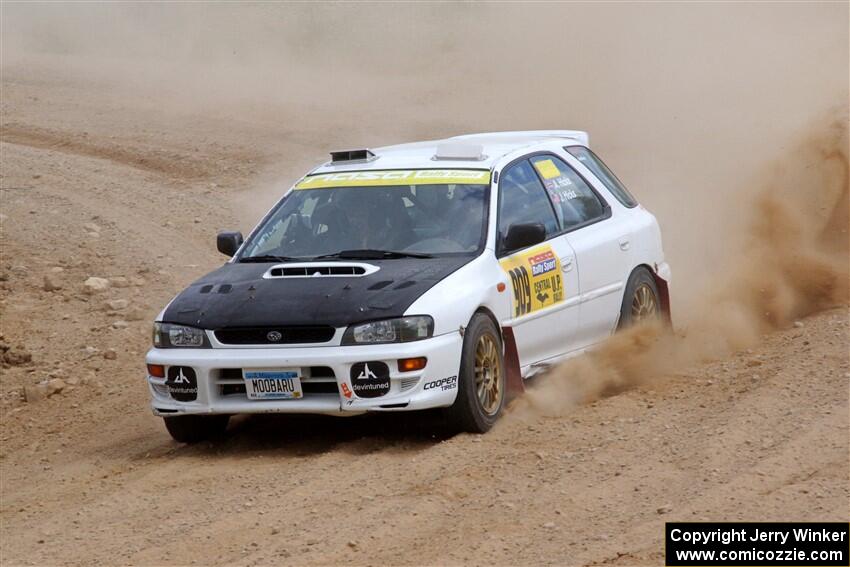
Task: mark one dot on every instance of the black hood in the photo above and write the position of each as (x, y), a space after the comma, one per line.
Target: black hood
(237, 295)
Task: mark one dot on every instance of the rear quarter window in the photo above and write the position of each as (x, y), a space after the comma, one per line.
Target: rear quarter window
(592, 162)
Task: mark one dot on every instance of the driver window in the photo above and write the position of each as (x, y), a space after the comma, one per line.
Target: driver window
(523, 200)
(574, 200)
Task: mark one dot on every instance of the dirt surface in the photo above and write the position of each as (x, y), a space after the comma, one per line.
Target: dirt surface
(90, 476)
(98, 185)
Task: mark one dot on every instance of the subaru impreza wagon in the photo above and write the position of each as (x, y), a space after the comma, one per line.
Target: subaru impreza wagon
(438, 274)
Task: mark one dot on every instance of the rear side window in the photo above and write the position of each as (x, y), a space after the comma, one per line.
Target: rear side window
(574, 200)
(592, 162)
(523, 200)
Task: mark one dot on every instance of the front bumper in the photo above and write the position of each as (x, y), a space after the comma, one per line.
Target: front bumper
(218, 373)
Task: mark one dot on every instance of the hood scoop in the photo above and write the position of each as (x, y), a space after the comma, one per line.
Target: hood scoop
(320, 270)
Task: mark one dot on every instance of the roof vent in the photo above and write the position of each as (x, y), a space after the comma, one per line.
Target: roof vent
(455, 151)
(352, 156)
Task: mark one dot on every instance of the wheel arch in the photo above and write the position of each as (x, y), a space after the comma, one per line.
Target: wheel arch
(514, 380)
(663, 290)
(484, 310)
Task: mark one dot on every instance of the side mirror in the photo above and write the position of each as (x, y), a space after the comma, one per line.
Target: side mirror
(523, 235)
(228, 242)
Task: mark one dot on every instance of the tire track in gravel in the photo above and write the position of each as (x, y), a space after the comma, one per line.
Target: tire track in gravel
(162, 162)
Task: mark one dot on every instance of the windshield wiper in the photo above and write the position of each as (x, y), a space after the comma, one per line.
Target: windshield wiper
(370, 254)
(268, 258)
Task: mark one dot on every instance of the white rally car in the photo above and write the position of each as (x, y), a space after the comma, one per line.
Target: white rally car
(436, 274)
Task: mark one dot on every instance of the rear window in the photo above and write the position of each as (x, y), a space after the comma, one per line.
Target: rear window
(592, 162)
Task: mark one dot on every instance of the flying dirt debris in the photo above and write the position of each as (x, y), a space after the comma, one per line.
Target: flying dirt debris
(129, 135)
(795, 264)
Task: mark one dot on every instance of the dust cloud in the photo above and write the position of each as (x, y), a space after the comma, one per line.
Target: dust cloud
(794, 262)
(710, 113)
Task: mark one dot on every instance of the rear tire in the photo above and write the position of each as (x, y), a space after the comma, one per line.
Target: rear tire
(640, 300)
(482, 380)
(195, 428)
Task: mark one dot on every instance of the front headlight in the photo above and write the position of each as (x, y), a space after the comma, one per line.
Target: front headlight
(167, 335)
(401, 330)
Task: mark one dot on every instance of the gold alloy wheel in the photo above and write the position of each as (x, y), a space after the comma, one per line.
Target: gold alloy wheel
(644, 305)
(488, 374)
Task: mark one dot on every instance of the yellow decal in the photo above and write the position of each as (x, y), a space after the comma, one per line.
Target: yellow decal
(536, 279)
(395, 177)
(547, 169)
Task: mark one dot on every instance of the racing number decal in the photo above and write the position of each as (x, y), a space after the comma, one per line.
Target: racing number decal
(535, 279)
(522, 290)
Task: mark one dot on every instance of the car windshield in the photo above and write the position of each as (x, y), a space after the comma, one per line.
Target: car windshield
(382, 221)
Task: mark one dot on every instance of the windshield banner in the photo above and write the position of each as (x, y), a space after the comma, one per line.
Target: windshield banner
(395, 177)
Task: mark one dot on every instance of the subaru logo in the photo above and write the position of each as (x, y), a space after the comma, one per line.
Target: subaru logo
(274, 336)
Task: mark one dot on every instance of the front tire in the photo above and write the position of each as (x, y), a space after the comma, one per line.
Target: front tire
(195, 428)
(640, 300)
(482, 380)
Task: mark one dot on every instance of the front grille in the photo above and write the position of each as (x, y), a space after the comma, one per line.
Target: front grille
(275, 335)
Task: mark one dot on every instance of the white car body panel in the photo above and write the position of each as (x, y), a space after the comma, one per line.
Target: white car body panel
(594, 262)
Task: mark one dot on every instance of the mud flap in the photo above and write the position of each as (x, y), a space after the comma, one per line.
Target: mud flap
(515, 386)
(664, 297)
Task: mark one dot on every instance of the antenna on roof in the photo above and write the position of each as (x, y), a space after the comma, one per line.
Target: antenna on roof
(352, 156)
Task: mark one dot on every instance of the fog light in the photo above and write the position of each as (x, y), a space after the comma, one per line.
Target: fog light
(411, 364)
(156, 370)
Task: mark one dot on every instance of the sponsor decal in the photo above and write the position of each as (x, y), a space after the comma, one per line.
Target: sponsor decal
(542, 263)
(182, 383)
(547, 169)
(443, 384)
(346, 391)
(370, 379)
(394, 177)
(535, 279)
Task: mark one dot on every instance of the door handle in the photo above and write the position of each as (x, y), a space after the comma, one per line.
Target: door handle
(624, 244)
(567, 264)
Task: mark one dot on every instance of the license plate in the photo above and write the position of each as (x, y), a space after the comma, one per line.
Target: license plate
(272, 384)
